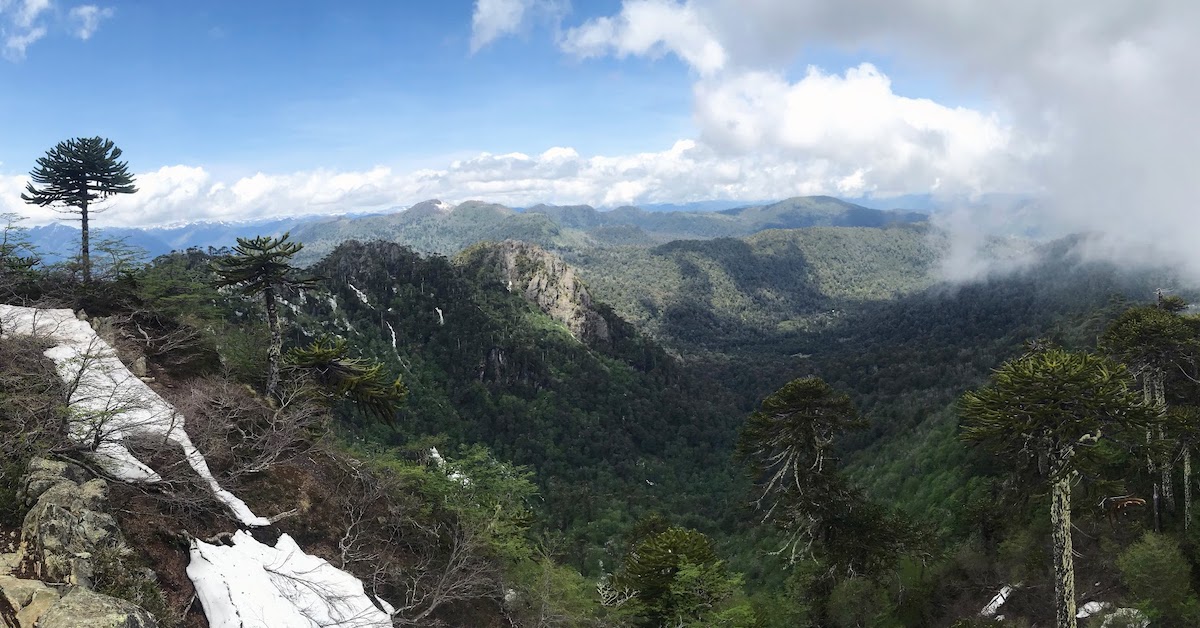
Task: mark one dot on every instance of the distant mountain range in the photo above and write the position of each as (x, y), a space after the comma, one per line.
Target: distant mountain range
(438, 227)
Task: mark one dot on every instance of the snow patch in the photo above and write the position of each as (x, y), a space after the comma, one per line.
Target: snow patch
(441, 463)
(243, 585)
(252, 585)
(362, 296)
(108, 403)
(1089, 609)
(997, 602)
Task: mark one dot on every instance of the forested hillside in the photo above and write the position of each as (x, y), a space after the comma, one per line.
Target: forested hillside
(612, 426)
(589, 404)
(437, 227)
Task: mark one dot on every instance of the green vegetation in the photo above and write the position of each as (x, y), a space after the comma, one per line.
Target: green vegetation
(74, 174)
(550, 428)
(262, 266)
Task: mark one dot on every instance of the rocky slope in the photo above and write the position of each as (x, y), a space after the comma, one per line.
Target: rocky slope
(543, 279)
(48, 582)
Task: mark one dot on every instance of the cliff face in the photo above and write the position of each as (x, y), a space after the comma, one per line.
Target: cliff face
(545, 280)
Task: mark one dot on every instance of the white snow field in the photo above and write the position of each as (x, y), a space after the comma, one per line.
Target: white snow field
(252, 585)
(246, 585)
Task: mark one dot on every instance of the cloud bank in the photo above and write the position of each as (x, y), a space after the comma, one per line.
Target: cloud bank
(1091, 105)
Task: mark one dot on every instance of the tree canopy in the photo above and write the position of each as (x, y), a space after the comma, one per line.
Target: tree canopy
(74, 174)
(262, 265)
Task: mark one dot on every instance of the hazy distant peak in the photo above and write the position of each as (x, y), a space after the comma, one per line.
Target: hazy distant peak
(431, 207)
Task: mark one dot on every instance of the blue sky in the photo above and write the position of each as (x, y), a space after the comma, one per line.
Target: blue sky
(255, 109)
(285, 86)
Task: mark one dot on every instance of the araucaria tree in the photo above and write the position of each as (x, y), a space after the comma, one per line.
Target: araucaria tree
(1154, 340)
(1055, 407)
(788, 446)
(75, 174)
(263, 266)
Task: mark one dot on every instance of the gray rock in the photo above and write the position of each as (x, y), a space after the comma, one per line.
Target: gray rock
(44, 474)
(83, 608)
(65, 528)
(23, 602)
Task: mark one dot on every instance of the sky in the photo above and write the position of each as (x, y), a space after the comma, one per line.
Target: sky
(231, 110)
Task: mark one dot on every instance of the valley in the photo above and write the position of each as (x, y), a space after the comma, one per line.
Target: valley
(616, 364)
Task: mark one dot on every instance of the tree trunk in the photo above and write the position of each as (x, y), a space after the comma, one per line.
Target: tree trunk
(275, 348)
(84, 253)
(1187, 487)
(1167, 465)
(1064, 560)
(1151, 467)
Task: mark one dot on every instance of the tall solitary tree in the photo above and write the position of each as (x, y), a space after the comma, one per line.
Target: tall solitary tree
(75, 174)
(1055, 406)
(263, 266)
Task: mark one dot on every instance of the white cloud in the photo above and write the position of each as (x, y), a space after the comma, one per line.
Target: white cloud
(650, 27)
(16, 44)
(28, 12)
(493, 19)
(24, 22)
(1093, 105)
(87, 19)
(888, 143)
(689, 170)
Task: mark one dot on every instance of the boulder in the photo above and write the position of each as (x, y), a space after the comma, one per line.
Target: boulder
(84, 608)
(44, 474)
(65, 527)
(23, 602)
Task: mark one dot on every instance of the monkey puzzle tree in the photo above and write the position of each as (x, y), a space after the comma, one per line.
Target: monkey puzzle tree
(788, 446)
(263, 266)
(1056, 406)
(73, 175)
(1152, 340)
(327, 361)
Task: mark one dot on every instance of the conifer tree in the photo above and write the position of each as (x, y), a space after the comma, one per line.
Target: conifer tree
(788, 446)
(263, 266)
(1152, 340)
(75, 174)
(1055, 406)
(17, 255)
(328, 362)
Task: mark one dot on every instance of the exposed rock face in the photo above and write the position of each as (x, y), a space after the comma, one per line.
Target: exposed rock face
(44, 474)
(83, 607)
(545, 280)
(66, 524)
(23, 602)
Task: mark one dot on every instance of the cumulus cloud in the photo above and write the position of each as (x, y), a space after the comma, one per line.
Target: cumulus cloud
(1091, 105)
(650, 27)
(87, 19)
(876, 140)
(686, 171)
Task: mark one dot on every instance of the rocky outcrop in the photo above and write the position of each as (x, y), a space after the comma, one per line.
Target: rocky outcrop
(84, 607)
(66, 525)
(545, 280)
(64, 528)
